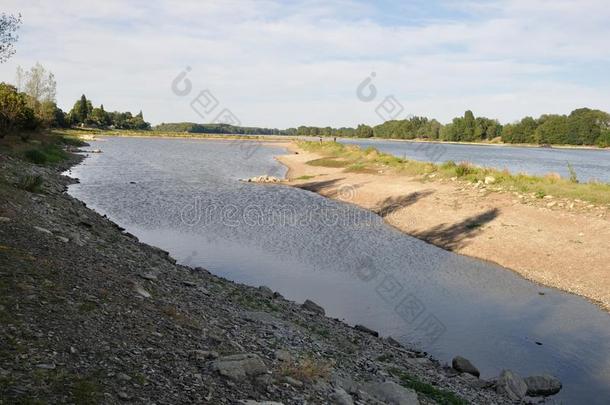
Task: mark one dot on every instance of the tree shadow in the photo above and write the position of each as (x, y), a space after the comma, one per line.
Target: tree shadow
(452, 237)
(318, 186)
(392, 204)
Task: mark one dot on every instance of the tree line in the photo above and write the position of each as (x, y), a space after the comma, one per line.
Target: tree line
(30, 104)
(582, 126)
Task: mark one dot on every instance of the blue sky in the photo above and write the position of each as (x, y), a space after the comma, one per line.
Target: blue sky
(288, 63)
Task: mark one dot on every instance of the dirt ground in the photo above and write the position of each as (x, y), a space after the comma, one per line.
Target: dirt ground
(555, 242)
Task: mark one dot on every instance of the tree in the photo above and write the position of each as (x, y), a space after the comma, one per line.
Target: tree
(9, 24)
(81, 110)
(40, 88)
(15, 114)
(364, 131)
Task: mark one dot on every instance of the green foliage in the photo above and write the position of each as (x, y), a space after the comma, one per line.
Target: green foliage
(573, 176)
(83, 113)
(46, 154)
(15, 113)
(190, 127)
(464, 169)
(438, 395)
(31, 183)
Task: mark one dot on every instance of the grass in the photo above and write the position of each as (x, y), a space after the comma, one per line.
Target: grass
(31, 183)
(307, 369)
(438, 395)
(353, 158)
(306, 177)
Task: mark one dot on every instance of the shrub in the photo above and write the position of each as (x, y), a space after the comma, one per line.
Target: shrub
(573, 176)
(464, 169)
(36, 156)
(31, 183)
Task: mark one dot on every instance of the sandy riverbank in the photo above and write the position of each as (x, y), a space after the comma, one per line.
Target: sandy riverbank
(558, 243)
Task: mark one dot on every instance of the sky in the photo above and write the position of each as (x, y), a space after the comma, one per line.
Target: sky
(304, 62)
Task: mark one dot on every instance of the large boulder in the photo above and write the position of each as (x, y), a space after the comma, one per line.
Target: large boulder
(313, 307)
(391, 393)
(542, 385)
(463, 365)
(240, 366)
(512, 385)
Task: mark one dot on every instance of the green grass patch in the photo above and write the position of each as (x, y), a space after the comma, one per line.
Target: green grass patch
(31, 183)
(45, 154)
(305, 177)
(438, 395)
(328, 162)
(369, 160)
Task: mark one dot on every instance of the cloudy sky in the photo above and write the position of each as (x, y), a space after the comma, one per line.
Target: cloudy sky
(300, 62)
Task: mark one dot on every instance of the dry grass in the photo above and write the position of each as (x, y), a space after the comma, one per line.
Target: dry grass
(369, 160)
(307, 369)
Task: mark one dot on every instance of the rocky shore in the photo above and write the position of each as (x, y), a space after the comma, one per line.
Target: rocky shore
(91, 315)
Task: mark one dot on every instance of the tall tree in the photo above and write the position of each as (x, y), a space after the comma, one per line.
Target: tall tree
(9, 24)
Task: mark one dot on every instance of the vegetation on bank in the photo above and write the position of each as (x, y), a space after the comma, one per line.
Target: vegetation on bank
(355, 159)
(29, 105)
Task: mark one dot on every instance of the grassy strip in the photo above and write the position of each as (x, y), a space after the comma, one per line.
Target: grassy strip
(439, 396)
(356, 159)
(75, 132)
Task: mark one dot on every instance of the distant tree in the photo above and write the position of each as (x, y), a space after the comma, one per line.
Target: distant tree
(364, 131)
(9, 24)
(81, 110)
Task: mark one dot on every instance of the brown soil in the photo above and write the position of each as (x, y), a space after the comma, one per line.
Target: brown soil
(558, 243)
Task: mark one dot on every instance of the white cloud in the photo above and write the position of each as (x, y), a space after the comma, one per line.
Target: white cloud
(289, 63)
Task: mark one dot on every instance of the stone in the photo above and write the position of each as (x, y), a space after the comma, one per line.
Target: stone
(149, 276)
(265, 291)
(203, 355)
(313, 307)
(141, 291)
(542, 385)
(240, 366)
(512, 385)
(43, 230)
(463, 365)
(551, 204)
(189, 283)
(252, 402)
(5, 219)
(490, 179)
(283, 355)
(292, 381)
(63, 239)
(391, 393)
(50, 366)
(341, 397)
(123, 377)
(364, 329)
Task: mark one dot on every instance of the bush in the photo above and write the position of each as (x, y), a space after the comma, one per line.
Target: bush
(464, 169)
(31, 183)
(46, 154)
(36, 156)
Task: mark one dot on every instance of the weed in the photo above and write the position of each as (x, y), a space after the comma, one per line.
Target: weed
(31, 183)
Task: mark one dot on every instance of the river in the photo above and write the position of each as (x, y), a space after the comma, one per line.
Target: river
(185, 197)
(588, 164)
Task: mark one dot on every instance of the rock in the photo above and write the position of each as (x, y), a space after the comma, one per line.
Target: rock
(63, 239)
(123, 396)
(464, 366)
(141, 291)
(240, 366)
(283, 355)
(313, 307)
(252, 402)
(203, 355)
(149, 276)
(511, 384)
(123, 377)
(50, 366)
(551, 204)
(293, 382)
(364, 329)
(189, 283)
(490, 179)
(542, 385)
(43, 230)
(391, 393)
(265, 291)
(5, 219)
(340, 397)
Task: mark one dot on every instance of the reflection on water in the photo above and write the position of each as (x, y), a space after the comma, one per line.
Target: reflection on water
(588, 164)
(184, 196)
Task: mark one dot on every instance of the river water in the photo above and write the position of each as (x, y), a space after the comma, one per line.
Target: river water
(588, 164)
(185, 197)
